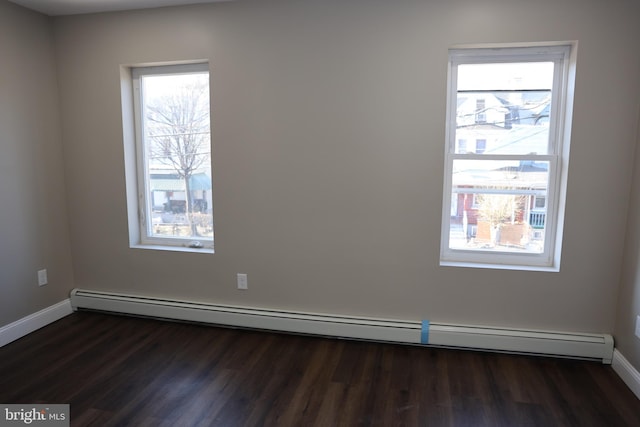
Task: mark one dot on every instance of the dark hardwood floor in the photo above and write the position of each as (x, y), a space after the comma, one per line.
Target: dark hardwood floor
(118, 371)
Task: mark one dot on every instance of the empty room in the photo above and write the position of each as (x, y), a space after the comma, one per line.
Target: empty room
(319, 212)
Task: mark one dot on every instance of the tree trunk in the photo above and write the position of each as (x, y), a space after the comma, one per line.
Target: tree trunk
(189, 206)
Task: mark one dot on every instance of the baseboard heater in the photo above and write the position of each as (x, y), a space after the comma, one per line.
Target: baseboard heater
(548, 343)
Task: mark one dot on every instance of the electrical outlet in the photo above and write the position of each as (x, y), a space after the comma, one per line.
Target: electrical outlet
(42, 277)
(638, 326)
(242, 281)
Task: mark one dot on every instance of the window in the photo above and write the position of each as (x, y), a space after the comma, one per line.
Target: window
(462, 146)
(481, 116)
(539, 202)
(173, 156)
(515, 102)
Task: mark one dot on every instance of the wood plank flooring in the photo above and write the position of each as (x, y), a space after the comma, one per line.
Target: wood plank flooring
(121, 371)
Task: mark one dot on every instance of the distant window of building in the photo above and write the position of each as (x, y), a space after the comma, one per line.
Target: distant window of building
(481, 146)
(540, 202)
(517, 174)
(481, 111)
(462, 145)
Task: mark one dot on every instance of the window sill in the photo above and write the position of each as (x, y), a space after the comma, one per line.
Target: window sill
(174, 248)
(550, 269)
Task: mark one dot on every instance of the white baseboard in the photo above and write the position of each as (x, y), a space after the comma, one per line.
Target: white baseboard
(35, 321)
(627, 372)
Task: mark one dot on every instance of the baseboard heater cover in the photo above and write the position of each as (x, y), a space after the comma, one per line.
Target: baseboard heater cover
(547, 343)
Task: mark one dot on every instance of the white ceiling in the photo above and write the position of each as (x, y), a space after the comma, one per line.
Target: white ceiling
(74, 7)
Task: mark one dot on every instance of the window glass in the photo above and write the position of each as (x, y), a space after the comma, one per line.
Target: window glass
(498, 196)
(506, 106)
(175, 147)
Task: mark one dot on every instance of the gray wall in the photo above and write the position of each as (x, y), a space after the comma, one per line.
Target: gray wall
(34, 227)
(328, 136)
(328, 157)
(629, 299)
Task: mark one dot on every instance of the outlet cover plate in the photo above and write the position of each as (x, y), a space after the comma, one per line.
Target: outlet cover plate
(242, 281)
(42, 277)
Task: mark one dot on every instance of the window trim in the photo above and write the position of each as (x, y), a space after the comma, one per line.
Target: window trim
(135, 165)
(563, 54)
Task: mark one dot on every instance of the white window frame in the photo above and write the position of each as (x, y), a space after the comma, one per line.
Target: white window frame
(563, 55)
(135, 164)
